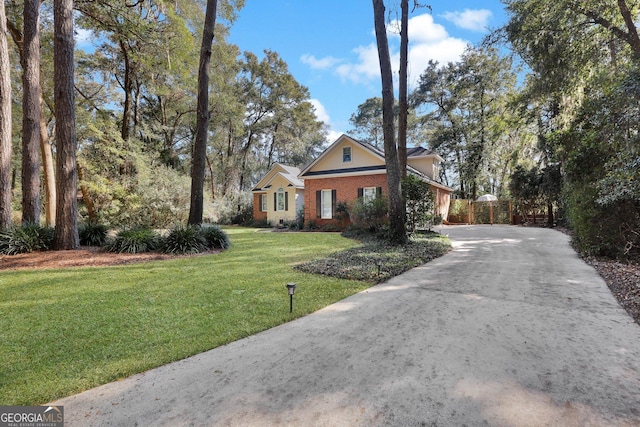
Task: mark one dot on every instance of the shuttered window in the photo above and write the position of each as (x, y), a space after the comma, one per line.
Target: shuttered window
(326, 204)
(369, 193)
(281, 200)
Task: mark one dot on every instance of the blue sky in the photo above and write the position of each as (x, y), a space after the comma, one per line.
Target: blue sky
(330, 48)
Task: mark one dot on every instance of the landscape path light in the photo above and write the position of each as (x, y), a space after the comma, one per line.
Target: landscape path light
(291, 288)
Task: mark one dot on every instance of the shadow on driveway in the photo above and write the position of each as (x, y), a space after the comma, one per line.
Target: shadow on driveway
(510, 328)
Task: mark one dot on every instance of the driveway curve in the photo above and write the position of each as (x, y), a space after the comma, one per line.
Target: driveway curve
(511, 328)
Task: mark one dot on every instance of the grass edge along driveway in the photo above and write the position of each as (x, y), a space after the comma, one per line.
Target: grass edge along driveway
(65, 331)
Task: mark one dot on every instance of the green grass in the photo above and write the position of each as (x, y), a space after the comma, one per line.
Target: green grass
(65, 331)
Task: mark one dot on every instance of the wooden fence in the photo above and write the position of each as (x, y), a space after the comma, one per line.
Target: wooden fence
(464, 211)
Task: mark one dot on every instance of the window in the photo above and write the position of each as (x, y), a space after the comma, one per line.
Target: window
(280, 199)
(326, 202)
(346, 154)
(369, 193)
(263, 202)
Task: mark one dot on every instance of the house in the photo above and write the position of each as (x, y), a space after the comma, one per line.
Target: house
(346, 170)
(279, 195)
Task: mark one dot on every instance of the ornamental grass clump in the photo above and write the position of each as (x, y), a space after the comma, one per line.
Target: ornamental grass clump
(184, 239)
(215, 237)
(135, 240)
(92, 234)
(26, 239)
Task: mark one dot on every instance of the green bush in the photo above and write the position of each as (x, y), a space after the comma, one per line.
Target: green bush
(92, 234)
(25, 239)
(184, 239)
(370, 215)
(235, 210)
(135, 240)
(215, 237)
(420, 200)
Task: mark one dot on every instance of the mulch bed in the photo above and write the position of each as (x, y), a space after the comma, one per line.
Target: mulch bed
(83, 257)
(623, 280)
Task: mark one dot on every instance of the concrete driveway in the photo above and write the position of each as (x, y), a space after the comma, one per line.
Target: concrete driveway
(509, 329)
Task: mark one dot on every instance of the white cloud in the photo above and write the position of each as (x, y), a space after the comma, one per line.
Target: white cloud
(468, 19)
(82, 35)
(422, 29)
(84, 39)
(321, 112)
(427, 41)
(365, 69)
(319, 63)
(333, 135)
(323, 116)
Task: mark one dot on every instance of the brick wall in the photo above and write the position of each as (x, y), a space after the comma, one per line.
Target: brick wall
(257, 214)
(346, 191)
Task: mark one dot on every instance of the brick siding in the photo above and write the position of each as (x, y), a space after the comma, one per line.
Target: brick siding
(346, 191)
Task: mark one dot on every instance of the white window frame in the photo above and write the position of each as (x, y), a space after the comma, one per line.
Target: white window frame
(326, 205)
(263, 203)
(280, 205)
(346, 158)
(369, 194)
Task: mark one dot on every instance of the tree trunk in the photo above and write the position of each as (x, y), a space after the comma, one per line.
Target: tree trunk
(397, 232)
(128, 94)
(66, 236)
(634, 40)
(49, 169)
(5, 124)
(31, 114)
(403, 107)
(202, 121)
(213, 181)
(91, 209)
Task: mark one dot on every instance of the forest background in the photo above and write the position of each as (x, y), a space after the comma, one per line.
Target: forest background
(545, 112)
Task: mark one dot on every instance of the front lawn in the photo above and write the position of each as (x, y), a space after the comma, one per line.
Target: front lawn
(65, 331)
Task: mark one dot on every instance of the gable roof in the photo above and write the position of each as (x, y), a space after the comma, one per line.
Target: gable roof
(306, 171)
(289, 173)
(422, 152)
(415, 152)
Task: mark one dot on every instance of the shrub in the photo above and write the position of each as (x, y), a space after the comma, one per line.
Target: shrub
(419, 199)
(184, 239)
(214, 237)
(135, 240)
(370, 215)
(92, 234)
(25, 239)
(235, 210)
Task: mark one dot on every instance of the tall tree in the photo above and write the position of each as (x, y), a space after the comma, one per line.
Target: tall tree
(46, 151)
(31, 113)
(367, 122)
(403, 105)
(397, 230)
(66, 236)
(5, 124)
(202, 123)
(468, 123)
